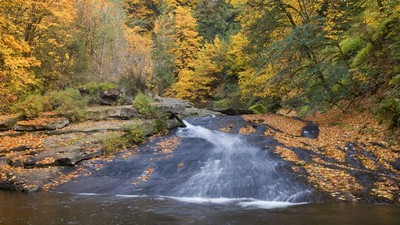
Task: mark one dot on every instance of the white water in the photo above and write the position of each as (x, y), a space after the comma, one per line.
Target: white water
(242, 202)
(237, 172)
(227, 170)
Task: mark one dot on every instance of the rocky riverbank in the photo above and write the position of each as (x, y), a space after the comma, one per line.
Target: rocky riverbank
(345, 156)
(40, 153)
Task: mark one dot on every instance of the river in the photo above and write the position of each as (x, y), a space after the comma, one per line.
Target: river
(57, 208)
(211, 177)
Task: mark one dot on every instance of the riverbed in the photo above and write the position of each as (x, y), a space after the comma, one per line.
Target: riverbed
(194, 175)
(61, 208)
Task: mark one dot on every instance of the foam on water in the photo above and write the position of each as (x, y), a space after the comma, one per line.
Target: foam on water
(235, 169)
(242, 202)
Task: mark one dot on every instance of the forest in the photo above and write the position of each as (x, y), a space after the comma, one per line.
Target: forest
(303, 55)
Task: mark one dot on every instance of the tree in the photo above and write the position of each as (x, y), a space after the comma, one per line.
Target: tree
(187, 39)
(100, 45)
(196, 85)
(142, 13)
(182, 3)
(163, 47)
(292, 50)
(26, 27)
(216, 18)
(140, 62)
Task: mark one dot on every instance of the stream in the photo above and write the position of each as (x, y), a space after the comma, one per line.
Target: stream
(211, 177)
(57, 208)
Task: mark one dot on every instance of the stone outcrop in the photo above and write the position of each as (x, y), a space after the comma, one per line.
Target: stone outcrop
(55, 124)
(310, 131)
(108, 112)
(110, 97)
(51, 142)
(7, 123)
(233, 111)
(181, 108)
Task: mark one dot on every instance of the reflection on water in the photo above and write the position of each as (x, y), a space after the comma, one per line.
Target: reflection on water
(55, 208)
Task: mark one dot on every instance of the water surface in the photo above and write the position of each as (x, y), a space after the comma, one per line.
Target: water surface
(56, 208)
(224, 179)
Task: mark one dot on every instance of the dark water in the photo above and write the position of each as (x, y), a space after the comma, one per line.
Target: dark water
(225, 179)
(216, 167)
(54, 208)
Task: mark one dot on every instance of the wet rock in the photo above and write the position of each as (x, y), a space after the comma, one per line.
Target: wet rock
(74, 154)
(233, 111)
(9, 122)
(310, 131)
(396, 164)
(195, 112)
(30, 188)
(181, 108)
(55, 124)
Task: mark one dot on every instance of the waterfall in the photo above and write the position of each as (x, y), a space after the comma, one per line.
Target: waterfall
(235, 169)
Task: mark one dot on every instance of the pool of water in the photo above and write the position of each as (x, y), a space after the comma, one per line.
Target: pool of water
(61, 208)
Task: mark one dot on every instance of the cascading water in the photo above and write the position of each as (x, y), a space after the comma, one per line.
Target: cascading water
(235, 169)
(215, 167)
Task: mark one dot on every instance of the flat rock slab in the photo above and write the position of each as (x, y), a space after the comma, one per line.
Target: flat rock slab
(36, 125)
(27, 180)
(182, 108)
(97, 126)
(173, 101)
(108, 112)
(195, 112)
(72, 144)
(69, 149)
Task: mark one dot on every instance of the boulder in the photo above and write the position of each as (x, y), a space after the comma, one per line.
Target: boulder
(396, 164)
(233, 111)
(74, 154)
(53, 124)
(30, 188)
(8, 122)
(181, 108)
(110, 97)
(195, 112)
(310, 131)
(169, 108)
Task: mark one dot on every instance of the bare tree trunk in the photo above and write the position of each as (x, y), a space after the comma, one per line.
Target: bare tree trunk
(103, 47)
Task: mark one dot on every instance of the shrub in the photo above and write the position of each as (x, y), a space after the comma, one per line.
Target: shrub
(223, 103)
(68, 103)
(258, 108)
(135, 135)
(160, 124)
(143, 105)
(31, 106)
(389, 112)
(114, 142)
(94, 88)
